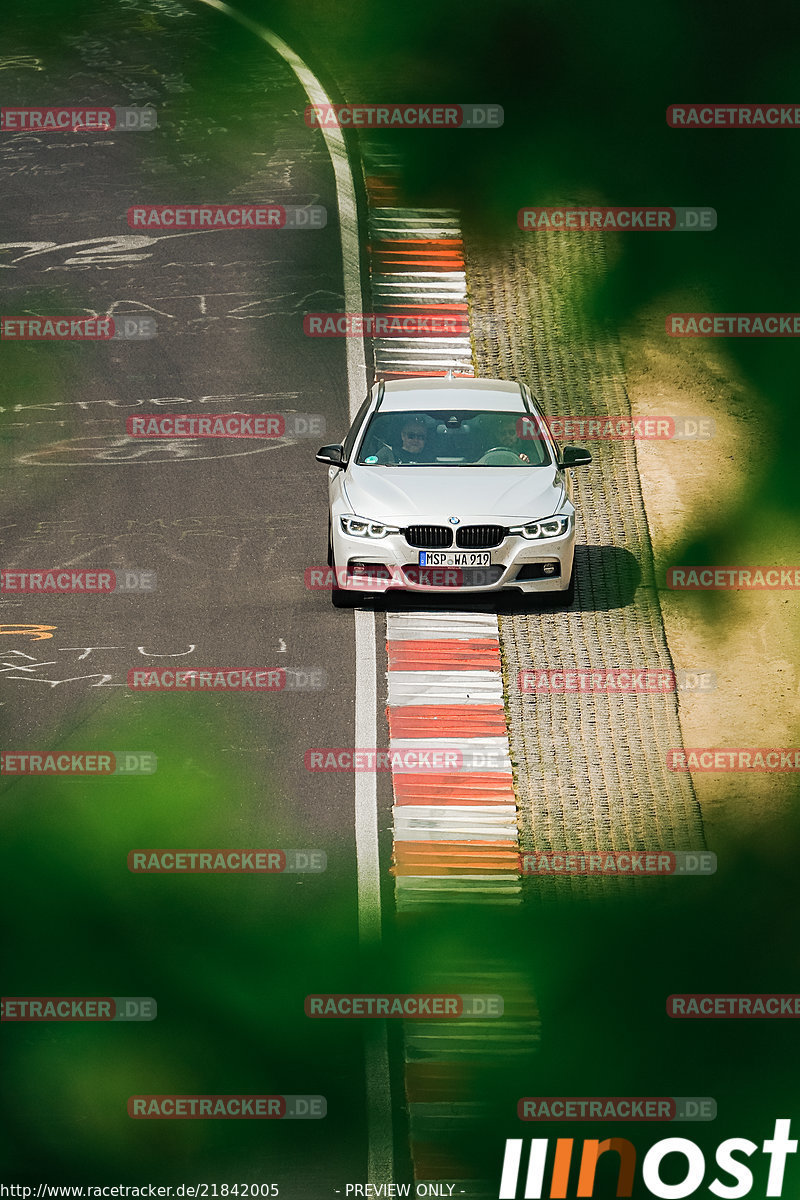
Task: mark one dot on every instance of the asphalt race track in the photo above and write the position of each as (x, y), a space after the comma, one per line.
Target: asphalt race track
(186, 710)
(227, 527)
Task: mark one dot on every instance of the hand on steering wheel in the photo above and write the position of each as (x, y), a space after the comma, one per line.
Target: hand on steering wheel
(504, 450)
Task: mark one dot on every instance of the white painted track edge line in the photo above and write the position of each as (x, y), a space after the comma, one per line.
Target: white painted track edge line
(366, 793)
(380, 1149)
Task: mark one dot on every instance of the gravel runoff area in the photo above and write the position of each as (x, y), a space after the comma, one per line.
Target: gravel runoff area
(590, 768)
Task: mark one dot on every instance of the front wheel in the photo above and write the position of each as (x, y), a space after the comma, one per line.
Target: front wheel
(567, 598)
(340, 597)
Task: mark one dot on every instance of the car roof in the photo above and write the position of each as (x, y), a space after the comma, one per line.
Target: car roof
(488, 395)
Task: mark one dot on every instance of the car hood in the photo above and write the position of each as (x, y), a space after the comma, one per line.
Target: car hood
(397, 495)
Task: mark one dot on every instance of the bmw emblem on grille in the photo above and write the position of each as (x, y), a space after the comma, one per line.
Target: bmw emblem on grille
(455, 521)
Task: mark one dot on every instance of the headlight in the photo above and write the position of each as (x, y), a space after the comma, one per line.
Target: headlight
(363, 527)
(550, 527)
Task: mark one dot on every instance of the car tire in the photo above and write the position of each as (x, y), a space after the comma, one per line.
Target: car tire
(567, 598)
(340, 597)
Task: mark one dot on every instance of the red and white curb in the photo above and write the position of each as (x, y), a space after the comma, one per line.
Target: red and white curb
(416, 262)
(455, 833)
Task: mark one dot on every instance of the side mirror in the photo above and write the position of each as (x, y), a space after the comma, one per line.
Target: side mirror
(574, 456)
(332, 456)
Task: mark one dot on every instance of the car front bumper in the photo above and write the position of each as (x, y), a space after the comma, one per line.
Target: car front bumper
(389, 564)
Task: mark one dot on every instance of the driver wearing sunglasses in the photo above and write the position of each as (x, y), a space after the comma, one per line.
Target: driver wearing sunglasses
(413, 442)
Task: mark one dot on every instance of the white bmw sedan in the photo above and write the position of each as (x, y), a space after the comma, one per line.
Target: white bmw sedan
(450, 484)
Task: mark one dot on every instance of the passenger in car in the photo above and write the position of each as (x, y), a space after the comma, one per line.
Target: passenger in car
(502, 431)
(509, 437)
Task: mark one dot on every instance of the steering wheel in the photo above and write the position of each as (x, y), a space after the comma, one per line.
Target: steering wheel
(509, 455)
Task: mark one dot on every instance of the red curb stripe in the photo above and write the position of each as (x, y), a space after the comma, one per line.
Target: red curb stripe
(421, 253)
(462, 787)
(378, 187)
(400, 310)
(492, 848)
(453, 784)
(452, 871)
(454, 867)
(423, 310)
(387, 375)
(446, 720)
(500, 859)
(485, 868)
(457, 654)
(477, 800)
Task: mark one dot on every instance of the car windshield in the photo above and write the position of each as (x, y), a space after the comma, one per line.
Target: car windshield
(448, 438)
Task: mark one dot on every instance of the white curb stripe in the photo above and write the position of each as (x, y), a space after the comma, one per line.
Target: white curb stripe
(462, 832)
(446, 625)
(444, 687)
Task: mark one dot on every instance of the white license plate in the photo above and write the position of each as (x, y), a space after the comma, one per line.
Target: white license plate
(455, 558)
